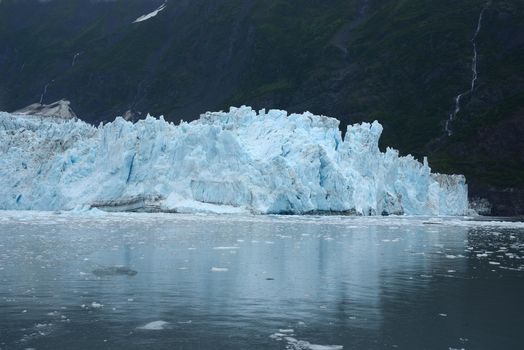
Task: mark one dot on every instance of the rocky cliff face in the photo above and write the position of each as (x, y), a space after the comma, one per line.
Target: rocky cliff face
(59, 109)
(401, 62)
(492, 157)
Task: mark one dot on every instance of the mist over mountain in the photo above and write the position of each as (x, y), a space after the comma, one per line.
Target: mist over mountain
(444, 78)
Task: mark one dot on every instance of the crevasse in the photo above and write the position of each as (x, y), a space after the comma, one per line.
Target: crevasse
(236, 161)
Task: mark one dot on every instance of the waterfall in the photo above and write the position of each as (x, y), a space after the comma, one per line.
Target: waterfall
(45, 91)
(475, 54)
(74, 59)
(474, 64)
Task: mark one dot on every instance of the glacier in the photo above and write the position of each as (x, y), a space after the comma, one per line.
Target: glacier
(238, 161)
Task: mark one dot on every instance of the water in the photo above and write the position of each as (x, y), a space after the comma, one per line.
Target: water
(158, 281)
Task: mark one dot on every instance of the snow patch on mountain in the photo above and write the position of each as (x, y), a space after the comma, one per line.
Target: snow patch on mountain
(151, 14)
(236, 161)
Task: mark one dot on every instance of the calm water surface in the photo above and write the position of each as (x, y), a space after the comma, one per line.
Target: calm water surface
(158, 281)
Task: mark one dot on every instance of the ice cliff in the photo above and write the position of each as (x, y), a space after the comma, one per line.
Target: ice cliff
(236, 161)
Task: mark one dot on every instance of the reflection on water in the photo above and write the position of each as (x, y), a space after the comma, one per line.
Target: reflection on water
(184, 282)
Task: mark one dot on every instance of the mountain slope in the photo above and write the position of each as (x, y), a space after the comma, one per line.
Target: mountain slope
(402, 62)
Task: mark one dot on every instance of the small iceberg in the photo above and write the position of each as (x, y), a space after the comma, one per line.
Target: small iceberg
(117, 270)
(154, 326)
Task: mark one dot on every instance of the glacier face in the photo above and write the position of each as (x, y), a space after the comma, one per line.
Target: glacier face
(236, 161)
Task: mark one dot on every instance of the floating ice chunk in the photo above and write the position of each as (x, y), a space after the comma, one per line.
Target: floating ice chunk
(225, 248)
(154, 326)
(117, 270)
(96, 305)
(305, 345)
(86, 210)
(219, 269)
(277, 336)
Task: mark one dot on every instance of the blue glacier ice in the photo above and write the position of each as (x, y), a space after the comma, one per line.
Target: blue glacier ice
(226, 162)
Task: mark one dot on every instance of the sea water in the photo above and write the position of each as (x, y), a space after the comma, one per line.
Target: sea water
(168, 281)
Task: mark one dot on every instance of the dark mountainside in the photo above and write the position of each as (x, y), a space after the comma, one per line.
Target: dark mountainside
(402, 62)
